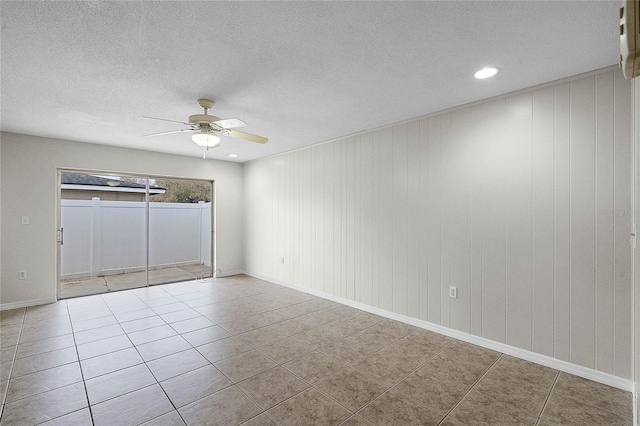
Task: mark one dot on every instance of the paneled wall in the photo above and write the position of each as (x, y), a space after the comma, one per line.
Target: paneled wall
(521, 202)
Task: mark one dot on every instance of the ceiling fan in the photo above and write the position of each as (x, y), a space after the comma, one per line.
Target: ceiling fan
(206, 128)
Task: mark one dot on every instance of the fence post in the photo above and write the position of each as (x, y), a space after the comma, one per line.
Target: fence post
(95, 237)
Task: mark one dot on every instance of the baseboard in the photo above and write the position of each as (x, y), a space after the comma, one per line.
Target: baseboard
(636, 414)
(547, 361)
(26, 303)
(229, 273)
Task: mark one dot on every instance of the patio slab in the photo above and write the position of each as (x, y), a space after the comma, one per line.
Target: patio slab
(109, 283)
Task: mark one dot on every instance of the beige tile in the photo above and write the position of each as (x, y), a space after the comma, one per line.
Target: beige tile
(7, 353)
(45, 406)
(43, 381)
(385, 368)
(448, 421)
(10, 328)
(536, 374)
(40, 332)
(260, 420)
(245, 365)
(355, 420)
(131, 306)
(430, 338)
(81, 316)
(471, 354)
(47, 311)
(440, 395)
(192, 324)
(226, 407)
(411, 351)
(176, 364)
(142, 323)
(262, 336)
(448, 369)
(93, 335)
(393, 408)
(205, 335)
(295, 325)
(563, 410)
(394, 328)
(5, 370)
(180, 315)
(33, 364)
(196, 384)
(223, 348)
(104, 346)
(133, 315)
(543, 422)
(314, 367)
(110, 362)
(319, 336)
(150, 334)
(200, 301)
(3, 389)
(172, 305)
(159, 348)
(593, 393)
(308, 408)
(170, 419)
(9, 339)
(348, 351)
(77, 418)
(47, 324)
(284, 350)
(45, 345)
(522, 394)
(118, 383)
(477, 408)
(347, 327)
(351, 388)
(375, 339)
(271, 387)
(133, 408)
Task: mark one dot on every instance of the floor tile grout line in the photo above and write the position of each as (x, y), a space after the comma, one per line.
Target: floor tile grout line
(13, 360)
(546, 401)
(473, 386)
(84, 383)
(404, 377)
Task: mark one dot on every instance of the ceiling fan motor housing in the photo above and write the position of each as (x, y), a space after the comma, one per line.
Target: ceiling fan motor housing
(202, 119)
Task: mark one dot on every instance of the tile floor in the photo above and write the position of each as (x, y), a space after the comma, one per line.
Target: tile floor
(239, 350)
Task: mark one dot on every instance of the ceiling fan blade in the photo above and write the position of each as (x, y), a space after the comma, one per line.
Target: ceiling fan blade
(230, 123)
(243, 135)
(169, 132)
(166, 119)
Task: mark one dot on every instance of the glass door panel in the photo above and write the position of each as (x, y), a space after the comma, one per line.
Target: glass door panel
(102, 220)
(179, 230)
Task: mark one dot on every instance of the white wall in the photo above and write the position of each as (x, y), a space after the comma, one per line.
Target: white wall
(29, 169)
(521, 202)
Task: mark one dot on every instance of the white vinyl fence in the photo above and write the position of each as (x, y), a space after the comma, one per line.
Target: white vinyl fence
(108, 237)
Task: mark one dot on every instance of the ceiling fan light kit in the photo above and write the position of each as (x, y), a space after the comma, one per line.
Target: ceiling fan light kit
(206, 139)
(206, 127)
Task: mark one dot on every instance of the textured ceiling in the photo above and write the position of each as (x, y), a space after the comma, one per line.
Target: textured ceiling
(296, 72)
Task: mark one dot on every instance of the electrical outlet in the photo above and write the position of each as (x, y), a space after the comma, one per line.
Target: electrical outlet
(282, 260)
(453, 292)
(25, 220)
(22, 275)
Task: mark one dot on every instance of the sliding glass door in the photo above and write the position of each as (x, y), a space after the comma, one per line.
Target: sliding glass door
(120, 232)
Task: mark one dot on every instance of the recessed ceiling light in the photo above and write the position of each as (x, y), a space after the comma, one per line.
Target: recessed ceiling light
(486, 73)
(233, 155)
